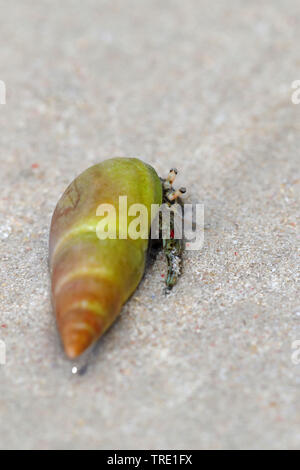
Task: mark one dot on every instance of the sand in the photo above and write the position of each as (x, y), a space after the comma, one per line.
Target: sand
(202, 86)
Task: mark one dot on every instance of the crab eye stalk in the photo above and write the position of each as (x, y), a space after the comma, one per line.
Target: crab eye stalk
(172, 175)
(167, 183)
(176, 194)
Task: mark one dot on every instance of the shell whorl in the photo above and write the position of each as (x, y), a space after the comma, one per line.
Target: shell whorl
(85, 307)
(86, 300)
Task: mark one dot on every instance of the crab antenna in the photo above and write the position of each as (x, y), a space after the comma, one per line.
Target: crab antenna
(175, 194)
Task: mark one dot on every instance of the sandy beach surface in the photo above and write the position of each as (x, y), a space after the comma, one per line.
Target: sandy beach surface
(201, 86)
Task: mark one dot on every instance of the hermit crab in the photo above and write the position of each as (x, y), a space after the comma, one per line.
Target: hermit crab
(94, 271)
